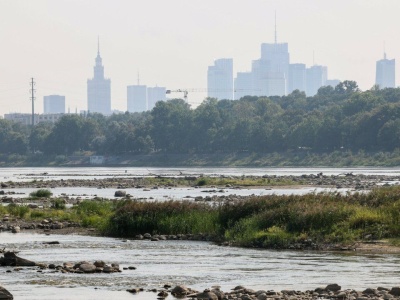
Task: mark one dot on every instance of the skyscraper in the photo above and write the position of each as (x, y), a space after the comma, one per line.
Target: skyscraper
(316, 77)
(155, 94)
(297, 77)
(137, 98)
(243, 85)
(54, 104)
(385, 73)
(220, 79)
(99, 89)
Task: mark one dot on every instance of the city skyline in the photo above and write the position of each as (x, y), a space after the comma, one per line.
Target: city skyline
(54, 43)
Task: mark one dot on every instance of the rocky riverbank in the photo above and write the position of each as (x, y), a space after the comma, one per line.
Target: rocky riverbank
(331, 291)
(348, 180)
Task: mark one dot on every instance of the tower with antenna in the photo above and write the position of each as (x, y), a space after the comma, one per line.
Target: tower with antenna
(99, 88)
(271, 71)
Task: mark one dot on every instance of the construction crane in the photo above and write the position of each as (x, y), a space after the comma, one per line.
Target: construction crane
(185, 93)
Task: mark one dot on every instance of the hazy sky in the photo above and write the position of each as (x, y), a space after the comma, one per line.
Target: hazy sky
(172, 42)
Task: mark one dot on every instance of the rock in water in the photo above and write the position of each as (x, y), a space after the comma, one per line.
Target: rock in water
(119, 193)
(5, 295)
(11, 259)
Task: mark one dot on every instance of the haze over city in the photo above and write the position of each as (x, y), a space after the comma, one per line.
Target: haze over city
(172, 43)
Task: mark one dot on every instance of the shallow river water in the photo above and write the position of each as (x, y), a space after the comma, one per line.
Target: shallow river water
(196, 264)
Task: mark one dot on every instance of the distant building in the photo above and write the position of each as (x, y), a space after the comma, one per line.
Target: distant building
(137, 98)
(99, 90)
(316, 77)
(26, 119)
(332, 82)
(243, 85)
(220, 79)
(297, 78)
(155, 94)
(54, 104)
(385, 73)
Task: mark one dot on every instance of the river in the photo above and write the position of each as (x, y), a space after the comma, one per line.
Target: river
(196, 264)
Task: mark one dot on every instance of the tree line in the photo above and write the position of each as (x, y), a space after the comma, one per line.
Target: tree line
(334, 119)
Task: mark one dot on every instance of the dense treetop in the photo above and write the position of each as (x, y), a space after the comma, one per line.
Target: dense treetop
(336, 118)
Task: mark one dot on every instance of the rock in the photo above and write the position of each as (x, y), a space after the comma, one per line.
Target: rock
(147, 236)
(119, 193)
(162, 294)
(11, 259)
(207, 295)
(4, 185)
(333, 287)
(108, 269)
(369, 291)
(262, 296)
(395, 291)
(179, 291)
(99, 263)
(87, 268)
(2, 192)
(5, 295)
(16, 229)
(52, 243)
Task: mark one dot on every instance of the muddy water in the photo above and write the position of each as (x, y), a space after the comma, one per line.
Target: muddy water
(195, 264)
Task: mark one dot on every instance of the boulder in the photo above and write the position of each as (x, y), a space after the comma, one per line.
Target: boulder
(99, 263)
(119, 193)
(11, 259)
(395, 291)
(5, 295)
(87, 268)
(16, 229)
(179, 291)
(333, 287)
(207, 295)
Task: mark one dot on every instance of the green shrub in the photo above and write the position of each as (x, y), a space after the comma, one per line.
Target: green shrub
(58, 204)
(42, 193)
(17, 210)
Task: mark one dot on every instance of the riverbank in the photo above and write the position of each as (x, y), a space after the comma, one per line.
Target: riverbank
(300, 158)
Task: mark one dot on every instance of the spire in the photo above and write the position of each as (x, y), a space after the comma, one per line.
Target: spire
(98, 45)
(276, 37)
(384, 50)
(138, 78)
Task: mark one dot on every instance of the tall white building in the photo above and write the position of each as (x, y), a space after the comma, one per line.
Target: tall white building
(155, 94)
(54, 104)
(316, 77)
(297, 78)
(137, 98)
(243, 85)
(385, 73)
(220, 79)
(99, 90)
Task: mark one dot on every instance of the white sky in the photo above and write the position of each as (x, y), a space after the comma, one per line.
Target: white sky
(172, 42)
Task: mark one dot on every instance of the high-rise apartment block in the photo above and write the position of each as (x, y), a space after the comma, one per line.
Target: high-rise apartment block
(155, 94)
(316, 77)
(99, 90)
(243, 85)
(297, 78)
(54, 104)
(137, 98)
(385, 73)
(142, 98)
(220, 79)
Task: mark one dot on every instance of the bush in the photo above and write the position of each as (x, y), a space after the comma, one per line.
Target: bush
(42, 193)
(58, 204)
